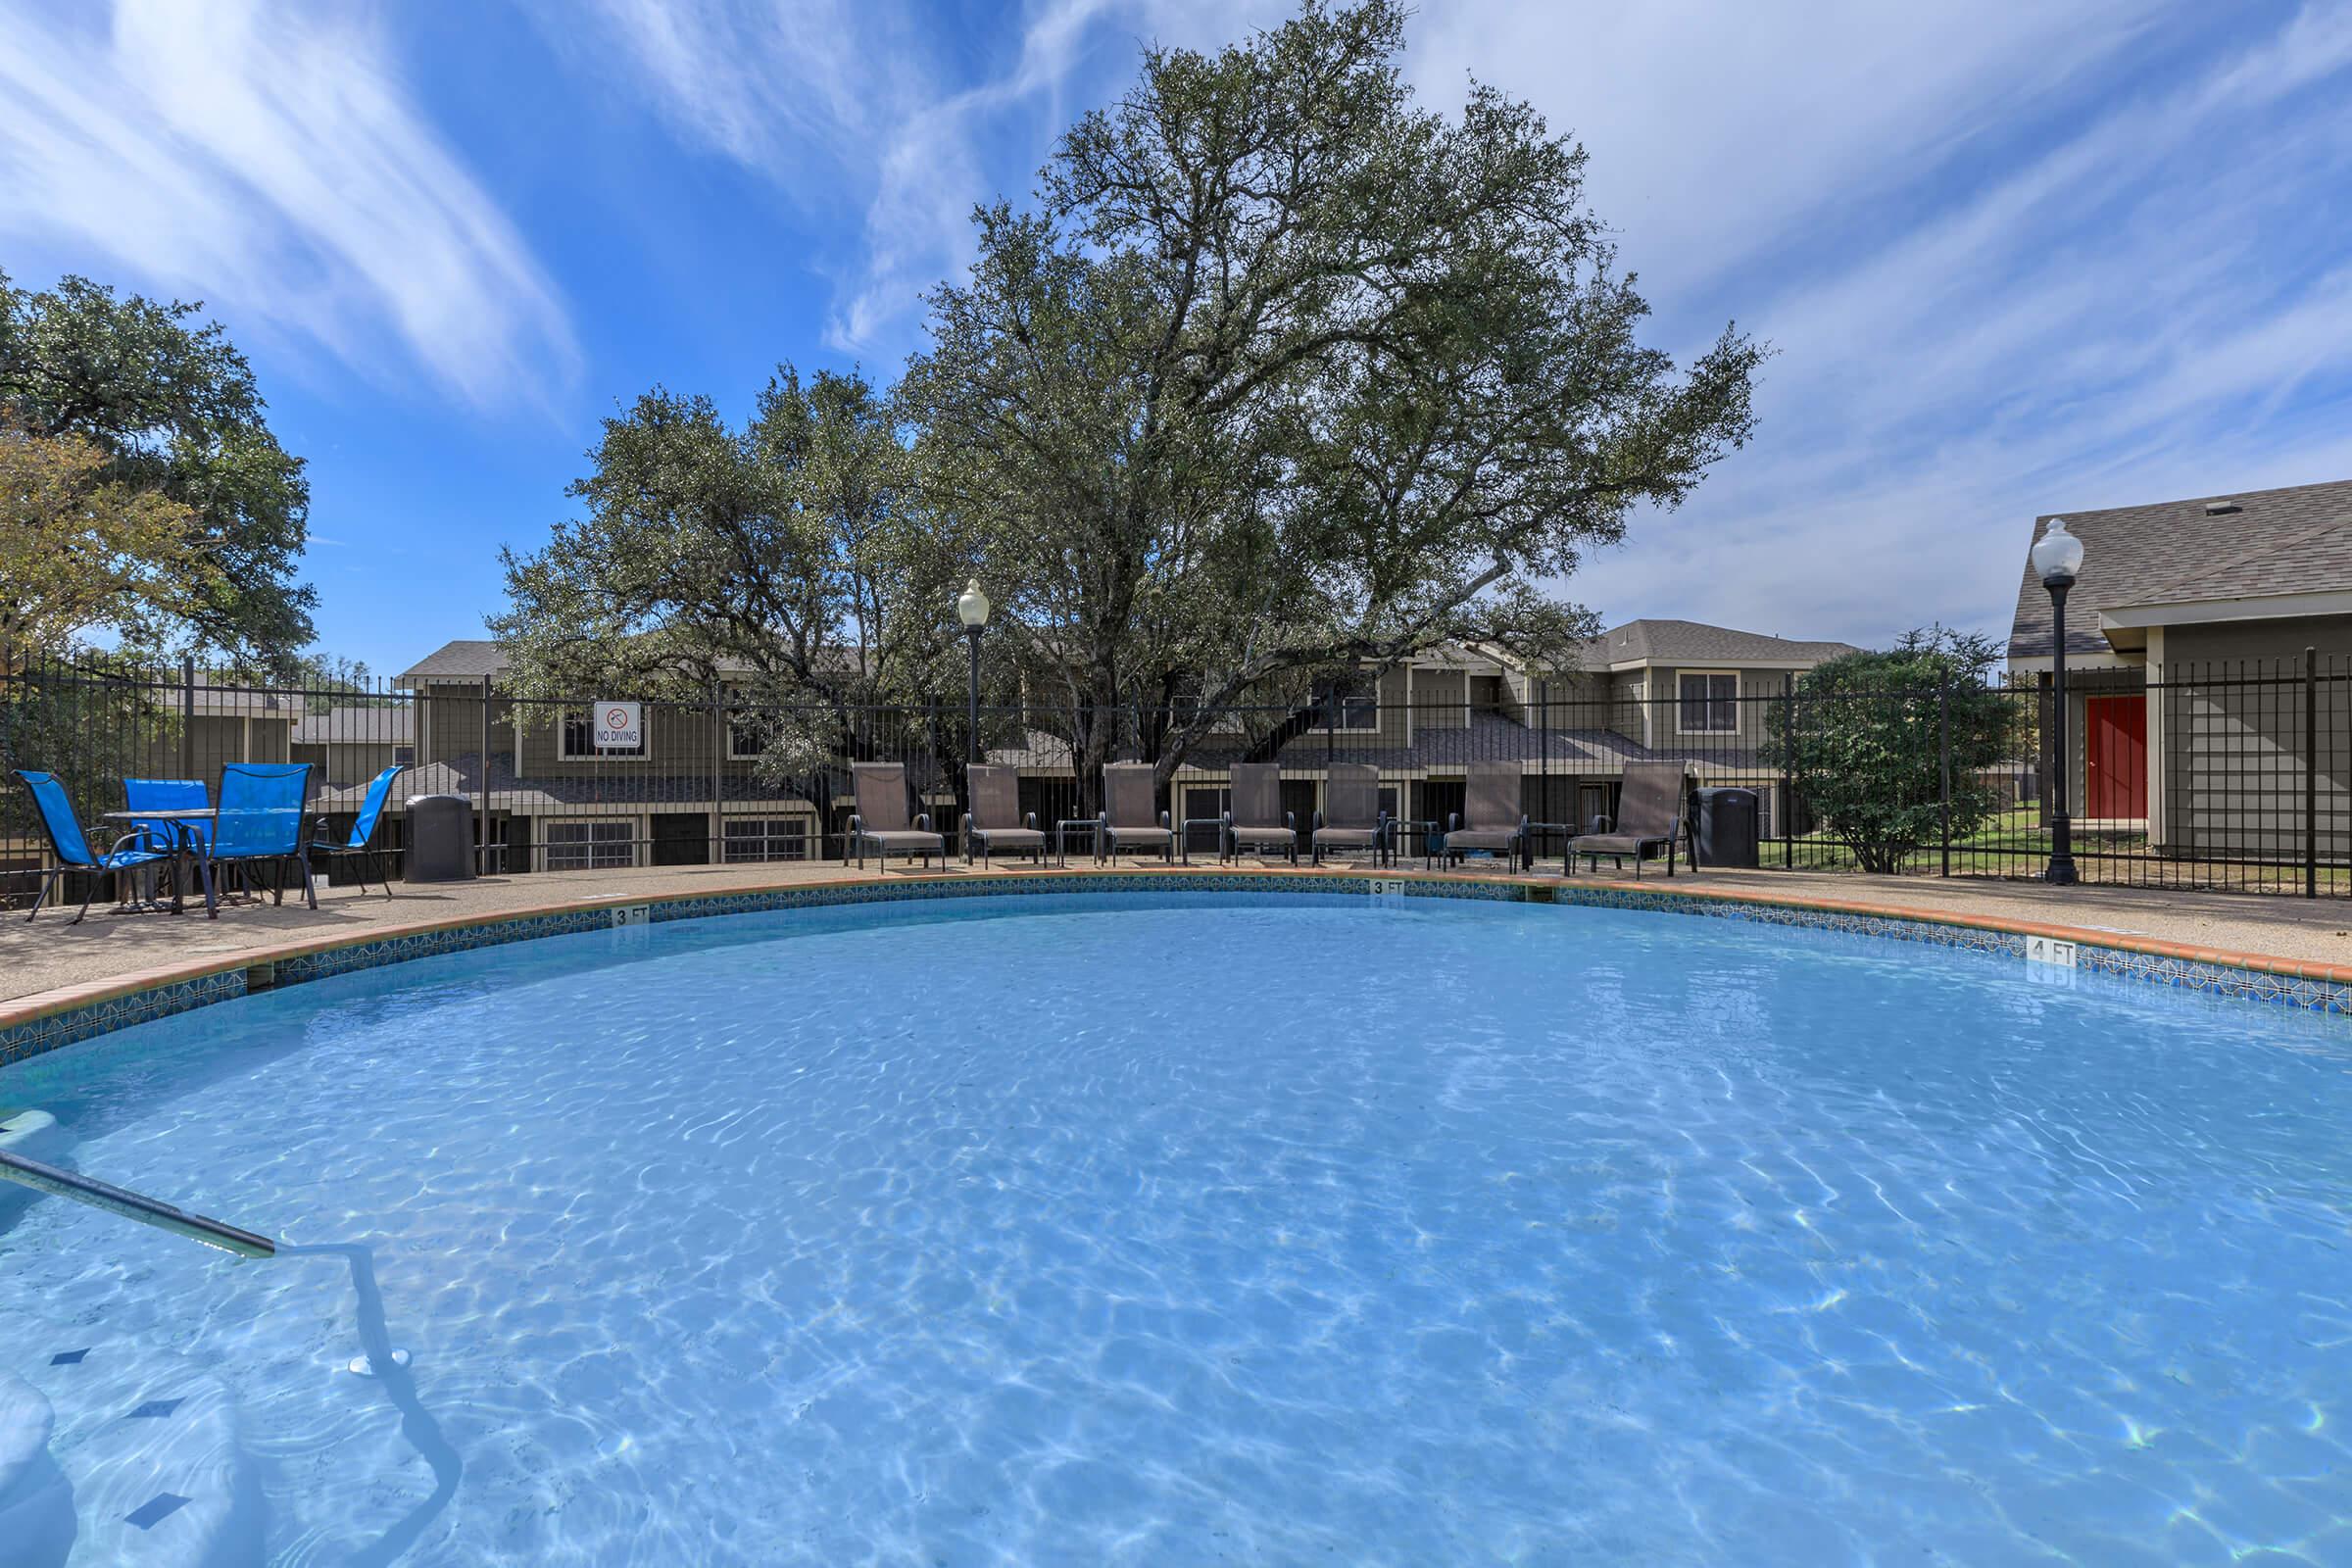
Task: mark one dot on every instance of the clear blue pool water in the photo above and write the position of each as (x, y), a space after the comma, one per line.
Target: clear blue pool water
(1219, 1230)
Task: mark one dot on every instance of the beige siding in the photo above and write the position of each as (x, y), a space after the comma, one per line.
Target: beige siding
(2237, 750)
(214, 741)
(1440, 699)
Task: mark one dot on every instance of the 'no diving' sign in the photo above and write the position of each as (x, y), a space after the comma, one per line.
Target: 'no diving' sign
(619, 727)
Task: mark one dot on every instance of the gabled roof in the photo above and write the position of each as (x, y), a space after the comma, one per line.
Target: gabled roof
(2265, 543)
(1685, 642)
(466, 659)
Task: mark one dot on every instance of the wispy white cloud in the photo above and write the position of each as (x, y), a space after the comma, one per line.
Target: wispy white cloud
(795, 89)
(267, 158)
(2145, 307)
(847, 105)
(2014, 258)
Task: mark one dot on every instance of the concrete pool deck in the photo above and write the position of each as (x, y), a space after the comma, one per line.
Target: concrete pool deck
(47, 965)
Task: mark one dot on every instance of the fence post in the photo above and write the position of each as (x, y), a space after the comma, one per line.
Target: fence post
(187, 715)
(719, 753)
(1788, 771)
(1944, 747)
(483, 868)
(2311, 772)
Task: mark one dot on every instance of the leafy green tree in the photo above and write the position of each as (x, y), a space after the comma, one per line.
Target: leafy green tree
(173, 407)
(81, 553)
(781, 560)
(1867, 740)
(1287, 376)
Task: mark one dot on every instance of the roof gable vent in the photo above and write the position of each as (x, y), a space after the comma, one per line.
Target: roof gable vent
(2221, 508)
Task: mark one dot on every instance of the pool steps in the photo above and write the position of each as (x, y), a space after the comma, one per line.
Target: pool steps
(138, 1464)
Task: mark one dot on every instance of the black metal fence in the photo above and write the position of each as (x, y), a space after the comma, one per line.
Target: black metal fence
(2225, 775)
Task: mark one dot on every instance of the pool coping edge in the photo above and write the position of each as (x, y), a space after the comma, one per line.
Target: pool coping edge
(47, 1020)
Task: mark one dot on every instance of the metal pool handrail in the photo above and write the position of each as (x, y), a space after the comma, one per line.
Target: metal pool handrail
(133, 1206)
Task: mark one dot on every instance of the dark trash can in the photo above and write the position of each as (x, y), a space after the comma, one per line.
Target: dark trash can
(440, 839)
(1729, 826)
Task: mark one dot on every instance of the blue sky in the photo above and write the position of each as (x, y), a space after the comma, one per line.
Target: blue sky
(2015, 257)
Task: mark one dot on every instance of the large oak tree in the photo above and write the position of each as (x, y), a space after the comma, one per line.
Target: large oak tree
(1286, 374)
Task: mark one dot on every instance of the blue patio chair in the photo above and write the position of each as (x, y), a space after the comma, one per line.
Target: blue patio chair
(362, 831)
(261, 822)
(168, 838)
(71, 848)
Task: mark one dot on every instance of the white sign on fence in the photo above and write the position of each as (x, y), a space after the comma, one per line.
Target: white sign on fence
(619, 727)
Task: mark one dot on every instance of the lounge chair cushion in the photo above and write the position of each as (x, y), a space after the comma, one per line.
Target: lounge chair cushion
(1009, 835)
(1141, 835)
(1347, 835)
(1614, 843)
(1482, 838)
(905, 839)
(1277, 835)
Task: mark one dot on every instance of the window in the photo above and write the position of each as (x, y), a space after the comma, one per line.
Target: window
(765, 838)
(578, 744)
(747, 734)
(1355, 701)
(404, 755)
(598, 846)
(1710, 703)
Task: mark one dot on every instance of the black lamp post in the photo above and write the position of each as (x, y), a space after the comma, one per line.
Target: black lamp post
(2058, 557)
(971, 608)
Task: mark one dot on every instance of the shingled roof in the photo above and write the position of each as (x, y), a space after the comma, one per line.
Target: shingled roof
(1692, 642)
(2250, 545)
(466, 659)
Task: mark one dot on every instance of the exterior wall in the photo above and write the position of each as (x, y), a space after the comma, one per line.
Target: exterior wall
(1577, 701)
(1629, 708)
(1440, 699)
(214, 740)
(1395, 718)
(449, 722)
(1665, 695)
(677, 741)
(2237, 753)
(342, 763)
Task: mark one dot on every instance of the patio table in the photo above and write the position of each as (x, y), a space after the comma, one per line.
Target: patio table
(1184, 836)
(1422, 826)
(183, 842)
(1062, 848)
(1534, 830)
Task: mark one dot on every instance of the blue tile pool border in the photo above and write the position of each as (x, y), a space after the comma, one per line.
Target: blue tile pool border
(49, 1029)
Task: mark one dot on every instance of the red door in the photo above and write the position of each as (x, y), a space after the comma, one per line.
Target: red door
(2115, 757)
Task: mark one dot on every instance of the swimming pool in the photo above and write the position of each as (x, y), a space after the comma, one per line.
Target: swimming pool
(1201, 1228)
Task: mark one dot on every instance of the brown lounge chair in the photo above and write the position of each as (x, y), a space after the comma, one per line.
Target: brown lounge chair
(1352, 817)
(995, 821)
(1258, 818)
(1131, 816)
(881, 818)
(1649, 812)
(1491, 817)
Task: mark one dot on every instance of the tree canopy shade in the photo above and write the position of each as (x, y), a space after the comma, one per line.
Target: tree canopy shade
(1872, 737)
(1288, 374)
(173, 409)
